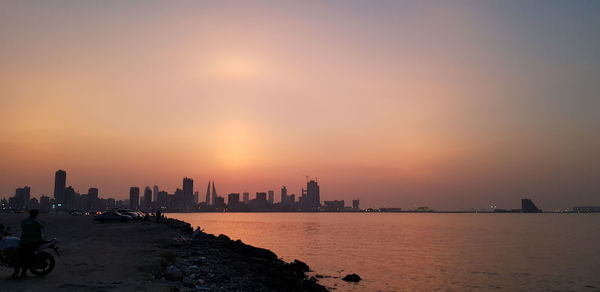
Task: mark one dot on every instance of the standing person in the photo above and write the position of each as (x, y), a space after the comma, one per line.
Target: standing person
(158, 216)
(31, 237)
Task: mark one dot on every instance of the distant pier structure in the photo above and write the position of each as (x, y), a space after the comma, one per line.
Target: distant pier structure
(527, 206)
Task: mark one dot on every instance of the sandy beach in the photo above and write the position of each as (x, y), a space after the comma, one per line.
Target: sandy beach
(133, 256)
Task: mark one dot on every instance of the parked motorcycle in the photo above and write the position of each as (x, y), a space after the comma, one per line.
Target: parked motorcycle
(42, 262)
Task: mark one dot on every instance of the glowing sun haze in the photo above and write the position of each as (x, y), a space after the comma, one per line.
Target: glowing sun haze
(447, 104)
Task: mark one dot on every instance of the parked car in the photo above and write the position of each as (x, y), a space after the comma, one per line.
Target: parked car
(112, 216)
(132, 214)
(76, 213)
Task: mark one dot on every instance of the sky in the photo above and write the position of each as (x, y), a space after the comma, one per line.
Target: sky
(447, 104)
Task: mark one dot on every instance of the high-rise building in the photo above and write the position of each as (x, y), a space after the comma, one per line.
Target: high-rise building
(162, 199)
(334, 205)
(311, 198)
(188, 192)
(284, 196)
(179, 198)
(92, 199)
(44, 203)
(147, 198)
(21, 199)
(26, 196)
(214, 194)
(70, 198)
(33, 204)
(246, 197)
(220, 202)
(271, 197)
(261, 197)
(356, 204)
(207, 200)
(233, 200)
(134, 198)
(155, 191)
(60, 182)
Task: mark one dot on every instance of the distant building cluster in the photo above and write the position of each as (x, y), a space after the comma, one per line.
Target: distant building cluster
(184, 199)
(309, 201)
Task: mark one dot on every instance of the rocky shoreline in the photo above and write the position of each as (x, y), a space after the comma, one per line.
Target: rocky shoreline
(205, 262)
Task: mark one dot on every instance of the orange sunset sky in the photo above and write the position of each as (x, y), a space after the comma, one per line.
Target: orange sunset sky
(447, 104)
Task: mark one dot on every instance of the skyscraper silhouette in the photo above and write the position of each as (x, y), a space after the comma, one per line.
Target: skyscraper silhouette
(233, 200)
(155, 191)
(284, 197)
(21, 198)
(92, 198)
(134, 198)
(356, 204)
(188, 192)
(60, 182)
(70, 196)
(147, 198)
(311, 198)
(271, 196)
(214, 193)
(208, 194)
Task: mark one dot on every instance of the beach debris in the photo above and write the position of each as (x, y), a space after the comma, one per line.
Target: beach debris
(174, 274)
(352, 278)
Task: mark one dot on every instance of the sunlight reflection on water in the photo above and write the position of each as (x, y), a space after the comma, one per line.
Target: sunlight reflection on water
(424, 252)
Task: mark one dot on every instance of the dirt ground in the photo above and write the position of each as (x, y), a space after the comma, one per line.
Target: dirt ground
(95, 256)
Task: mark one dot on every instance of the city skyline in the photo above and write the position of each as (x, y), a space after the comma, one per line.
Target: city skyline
(187, 193)
(453, 105)
(183, 199)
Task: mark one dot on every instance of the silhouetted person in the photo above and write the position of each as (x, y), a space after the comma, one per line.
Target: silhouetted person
(158, 216)
(3, 230)
(197, 232)
(32, 235)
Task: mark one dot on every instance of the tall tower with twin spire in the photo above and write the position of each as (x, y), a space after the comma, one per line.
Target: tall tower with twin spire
(208, 194)
(214, 193)
(211, 197)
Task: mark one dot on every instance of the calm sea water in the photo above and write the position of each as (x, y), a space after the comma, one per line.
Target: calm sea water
(427, 252)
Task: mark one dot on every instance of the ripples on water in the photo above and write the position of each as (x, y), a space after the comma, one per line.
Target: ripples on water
(427, 252)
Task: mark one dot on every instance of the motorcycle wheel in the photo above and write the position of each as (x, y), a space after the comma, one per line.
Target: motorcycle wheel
(42, 264)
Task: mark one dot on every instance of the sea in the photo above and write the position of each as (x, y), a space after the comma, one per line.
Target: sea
(427, 251)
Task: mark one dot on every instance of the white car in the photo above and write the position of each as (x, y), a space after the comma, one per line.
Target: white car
(132, 214)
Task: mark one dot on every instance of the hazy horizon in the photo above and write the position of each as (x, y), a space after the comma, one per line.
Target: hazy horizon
(451, 105)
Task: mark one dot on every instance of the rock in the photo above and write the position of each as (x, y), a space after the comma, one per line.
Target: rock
(352, 278)
(296, 264)
(172, 273)
(223, 237)
(199, 261)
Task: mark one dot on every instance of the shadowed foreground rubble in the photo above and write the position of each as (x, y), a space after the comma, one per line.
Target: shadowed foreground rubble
(216, 263)
(149, 256)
